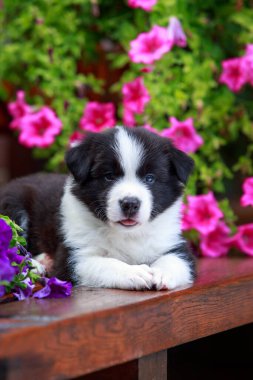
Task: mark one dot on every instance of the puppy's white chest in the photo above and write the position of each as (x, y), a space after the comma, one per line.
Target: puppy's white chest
(138, 251)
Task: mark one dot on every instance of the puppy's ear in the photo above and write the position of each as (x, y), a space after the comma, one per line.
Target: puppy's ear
(181, 163)
(78, 161)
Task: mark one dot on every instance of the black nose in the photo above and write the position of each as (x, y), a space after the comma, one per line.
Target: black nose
(130, 206)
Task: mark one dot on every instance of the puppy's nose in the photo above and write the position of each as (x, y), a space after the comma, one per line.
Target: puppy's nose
(130, 206)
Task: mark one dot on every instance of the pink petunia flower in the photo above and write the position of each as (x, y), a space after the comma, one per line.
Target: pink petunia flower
(248, 63)
(183, 134)
(234, 74)
(217, 243)
(149, 128)
(135, 95)
(128, 117)
(201, 213)
(247, 197)
(249, 49)
(150, 47)
(98, 116)
(39, 129)
(147, 5)
(243, 239)
(147, 69)
(18, 109)
(75, 138)
(176, 34)
(186, 224)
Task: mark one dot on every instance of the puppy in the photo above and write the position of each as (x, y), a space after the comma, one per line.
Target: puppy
(114, 222)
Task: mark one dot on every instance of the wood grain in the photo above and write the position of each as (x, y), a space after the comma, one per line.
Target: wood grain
(98, 328)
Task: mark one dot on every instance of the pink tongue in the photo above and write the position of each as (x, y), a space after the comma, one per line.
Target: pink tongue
(128, 222)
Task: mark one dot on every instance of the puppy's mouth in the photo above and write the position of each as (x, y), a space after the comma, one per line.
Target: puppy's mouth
(128, 222)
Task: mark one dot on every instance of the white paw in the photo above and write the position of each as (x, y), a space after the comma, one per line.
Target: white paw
(38, 268)
(137, 277)
(43, 260)
(160, 282)
(169, 280)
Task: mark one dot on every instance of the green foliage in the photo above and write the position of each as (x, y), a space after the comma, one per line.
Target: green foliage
(45, 42)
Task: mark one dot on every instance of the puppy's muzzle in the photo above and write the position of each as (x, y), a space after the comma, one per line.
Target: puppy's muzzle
(130, 206)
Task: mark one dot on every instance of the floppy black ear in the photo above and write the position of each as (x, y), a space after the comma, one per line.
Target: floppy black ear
(78, 161)
(182, 164)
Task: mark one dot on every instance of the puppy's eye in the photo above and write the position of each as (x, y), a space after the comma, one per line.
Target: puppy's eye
(149, 178)
(110, 177)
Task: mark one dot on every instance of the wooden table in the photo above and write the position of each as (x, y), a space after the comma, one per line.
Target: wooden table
(100, 328)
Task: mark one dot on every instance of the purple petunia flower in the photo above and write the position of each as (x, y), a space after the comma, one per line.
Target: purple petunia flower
(5, 236)
(7, 271)
(54, 288)
(2, 290)
(22, 294)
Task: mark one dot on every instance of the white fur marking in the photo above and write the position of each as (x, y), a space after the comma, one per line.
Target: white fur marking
(129, 151)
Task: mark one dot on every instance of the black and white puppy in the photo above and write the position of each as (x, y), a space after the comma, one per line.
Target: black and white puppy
(115, 221)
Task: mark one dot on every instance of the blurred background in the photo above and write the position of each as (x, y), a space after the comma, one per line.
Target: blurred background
(165, 64)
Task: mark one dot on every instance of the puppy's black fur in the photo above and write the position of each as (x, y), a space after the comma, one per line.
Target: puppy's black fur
(33, 202)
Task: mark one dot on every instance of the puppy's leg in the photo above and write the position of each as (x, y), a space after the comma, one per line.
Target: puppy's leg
(173, 271)
(112, 273)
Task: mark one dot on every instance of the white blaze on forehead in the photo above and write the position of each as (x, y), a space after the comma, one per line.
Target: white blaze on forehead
(130, 154)
(129, 151)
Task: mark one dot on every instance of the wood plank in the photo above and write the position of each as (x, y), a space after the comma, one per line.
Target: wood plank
(95, 329)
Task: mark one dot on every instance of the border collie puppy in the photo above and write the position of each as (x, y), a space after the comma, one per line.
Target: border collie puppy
(114, 222)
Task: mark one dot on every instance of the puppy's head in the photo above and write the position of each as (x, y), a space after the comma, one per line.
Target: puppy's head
(128, 176)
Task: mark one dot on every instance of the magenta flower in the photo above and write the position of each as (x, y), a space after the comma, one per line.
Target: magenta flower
(247, 198)
(183, 134)
(75, 138)
(128, 117)
(147, 69)
(249, 49)
(217, 242)
(149, 128)
(150, 47)
(243, 239)
(234, 74)
(18, 109)
(98, 116)
(176, 34)
(39, 129)
(202, 213)
(54, 288)
(248, 62)
(135, 95)
(147, 5)
(185, 220)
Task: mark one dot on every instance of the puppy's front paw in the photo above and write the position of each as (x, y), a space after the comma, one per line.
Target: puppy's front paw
(38, 268)
(137, 277)
(159, 280)
(169, 280)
